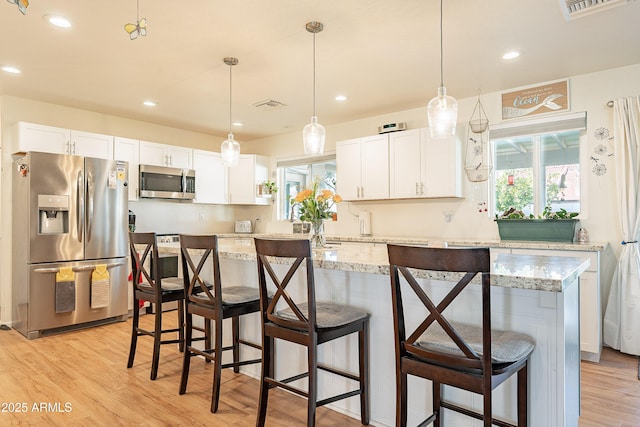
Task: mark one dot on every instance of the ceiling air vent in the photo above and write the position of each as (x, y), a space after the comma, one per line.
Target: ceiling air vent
(269, 104)
(576, 8)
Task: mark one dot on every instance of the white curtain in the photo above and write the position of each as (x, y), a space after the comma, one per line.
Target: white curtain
(622, 316)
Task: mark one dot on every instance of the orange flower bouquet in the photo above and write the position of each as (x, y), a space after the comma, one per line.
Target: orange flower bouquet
(314, 206)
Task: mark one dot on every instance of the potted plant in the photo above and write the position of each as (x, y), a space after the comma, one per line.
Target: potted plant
(267, 188)
(552, 226)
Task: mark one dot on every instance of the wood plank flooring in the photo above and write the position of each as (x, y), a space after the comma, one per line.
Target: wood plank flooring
(80, 378)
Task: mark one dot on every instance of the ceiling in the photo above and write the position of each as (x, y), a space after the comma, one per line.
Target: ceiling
(382, 54)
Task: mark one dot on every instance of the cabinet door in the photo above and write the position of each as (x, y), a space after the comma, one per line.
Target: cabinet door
(179, 157)
(211, 179)
(242, 181)
(442, 171)
(348, 169)
(91, 145)
(152, 153)
(405, 164)
(46, 139)
(374, 158)
(129, 151)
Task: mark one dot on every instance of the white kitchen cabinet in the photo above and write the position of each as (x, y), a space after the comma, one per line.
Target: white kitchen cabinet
(50, 139)
(128, 150)
(89, 144)
(211, 177)
(244, 178)
(363, 168)
(590, 305)
(152, 153)
(422, 167)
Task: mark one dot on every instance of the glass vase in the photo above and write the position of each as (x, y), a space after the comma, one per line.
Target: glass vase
(317, 236)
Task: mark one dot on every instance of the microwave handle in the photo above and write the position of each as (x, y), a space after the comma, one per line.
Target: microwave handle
(184, 182)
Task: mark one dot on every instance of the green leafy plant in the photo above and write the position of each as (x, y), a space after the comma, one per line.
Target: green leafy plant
(269, 187)
(547, 213)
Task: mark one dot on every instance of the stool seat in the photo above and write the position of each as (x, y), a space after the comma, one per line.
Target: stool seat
(328, 314)
(168, 284)
(506, 346)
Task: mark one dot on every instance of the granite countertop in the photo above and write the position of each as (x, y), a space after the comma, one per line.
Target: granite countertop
(507, 270)
(512, 244)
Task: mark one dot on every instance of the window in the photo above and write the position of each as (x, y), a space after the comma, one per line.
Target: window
(296, 175)
(533, 172)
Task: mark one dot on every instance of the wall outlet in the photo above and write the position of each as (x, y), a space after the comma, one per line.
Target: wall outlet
(201, 216)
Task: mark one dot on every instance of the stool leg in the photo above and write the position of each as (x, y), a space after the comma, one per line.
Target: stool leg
(186, 360)
(157, 337)
(363, 341)
(437, 398)
(217, 363)
(207, 337)
(235, 326)
(181, 304)
(134, 330)
(266, 370)
(522, 395)
(312, 356)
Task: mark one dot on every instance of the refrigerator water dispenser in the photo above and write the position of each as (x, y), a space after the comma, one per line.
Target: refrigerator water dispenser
(53, 214)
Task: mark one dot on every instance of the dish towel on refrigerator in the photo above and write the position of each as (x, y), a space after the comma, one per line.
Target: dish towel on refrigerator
(100, 287)
(65, 290)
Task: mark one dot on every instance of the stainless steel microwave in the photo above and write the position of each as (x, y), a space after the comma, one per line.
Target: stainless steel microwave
(161, 182)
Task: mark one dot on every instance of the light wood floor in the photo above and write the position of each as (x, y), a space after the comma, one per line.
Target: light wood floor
(86, 370)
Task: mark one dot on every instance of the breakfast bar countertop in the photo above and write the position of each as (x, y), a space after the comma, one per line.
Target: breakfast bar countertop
(543, 273)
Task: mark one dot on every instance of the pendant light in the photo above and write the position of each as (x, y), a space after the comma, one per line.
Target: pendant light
(442, 110)
(230, 148)
(313, 134)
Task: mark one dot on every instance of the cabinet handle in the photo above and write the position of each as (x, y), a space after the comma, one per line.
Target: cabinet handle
(67, 147)
(73, 145)
(417, 193)
(422, 188)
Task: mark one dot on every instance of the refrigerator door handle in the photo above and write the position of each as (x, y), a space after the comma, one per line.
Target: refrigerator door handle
(77, 269)
(90, 205)
(80, 205)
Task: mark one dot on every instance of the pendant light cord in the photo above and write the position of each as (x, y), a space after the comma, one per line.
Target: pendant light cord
(230, 96)
(137, 11)
(314, 74)
(441, 50)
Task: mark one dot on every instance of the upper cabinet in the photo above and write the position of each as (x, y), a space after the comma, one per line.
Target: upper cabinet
(152, 153)
(244, 179)
(363, 168)
(211, 177)
(422, 167)
(49, 139)
(128, 150)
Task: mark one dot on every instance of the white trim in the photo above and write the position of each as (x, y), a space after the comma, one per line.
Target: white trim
(539, 126)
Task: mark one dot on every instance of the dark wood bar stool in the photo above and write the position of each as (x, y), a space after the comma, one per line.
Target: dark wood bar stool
(307, 323)
(470, 357)
(148, 285)
(212, 302)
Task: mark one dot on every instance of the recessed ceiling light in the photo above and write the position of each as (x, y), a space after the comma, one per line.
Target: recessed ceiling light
(511, 55)
(11, 69)
(341, 98)
(58, 21)
(150, 103)
(237, 124)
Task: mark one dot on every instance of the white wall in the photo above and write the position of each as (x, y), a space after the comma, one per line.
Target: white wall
(425, 218)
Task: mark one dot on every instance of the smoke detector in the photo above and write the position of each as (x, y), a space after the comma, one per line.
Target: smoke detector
(269, 104)
(577, 8)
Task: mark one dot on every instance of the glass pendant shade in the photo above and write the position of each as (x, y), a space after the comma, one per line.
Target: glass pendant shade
(442, 112)
(230, 151)
(313, 136)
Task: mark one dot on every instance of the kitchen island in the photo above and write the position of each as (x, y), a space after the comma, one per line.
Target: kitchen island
(536, 295)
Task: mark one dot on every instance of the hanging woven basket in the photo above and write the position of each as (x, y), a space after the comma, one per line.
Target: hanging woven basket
(479, 121)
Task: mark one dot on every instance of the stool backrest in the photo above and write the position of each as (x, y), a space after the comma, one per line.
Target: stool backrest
(196, 289)
(144, 277)
(296, 253)
(405, 261)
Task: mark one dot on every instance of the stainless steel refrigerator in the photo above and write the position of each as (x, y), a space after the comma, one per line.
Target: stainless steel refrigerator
(70, 219)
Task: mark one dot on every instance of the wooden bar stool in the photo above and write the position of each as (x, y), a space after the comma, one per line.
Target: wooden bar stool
(470, 357)
(148, 285)
(307, 323)
(212, 302)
